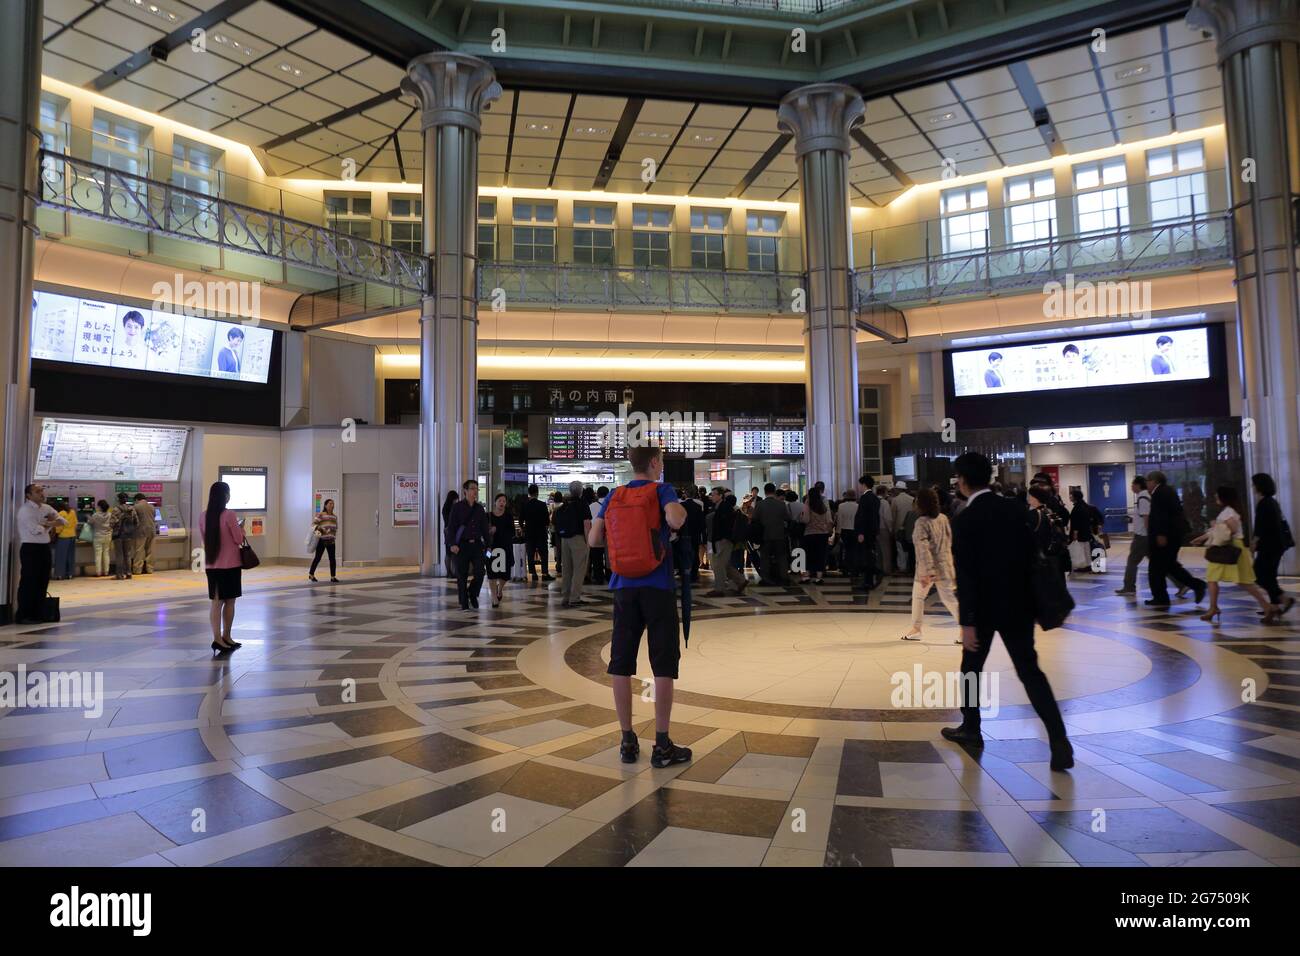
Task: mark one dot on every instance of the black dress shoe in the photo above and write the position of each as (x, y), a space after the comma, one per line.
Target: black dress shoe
(960, 735)
(1199, 588)
(1062, 755)
(1152, 602)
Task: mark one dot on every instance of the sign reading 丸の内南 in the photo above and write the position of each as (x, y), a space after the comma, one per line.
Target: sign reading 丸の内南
(406, 501)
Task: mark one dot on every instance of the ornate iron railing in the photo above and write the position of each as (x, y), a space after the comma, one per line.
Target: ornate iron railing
(560, 285)
(85, 188)
(1167, 246)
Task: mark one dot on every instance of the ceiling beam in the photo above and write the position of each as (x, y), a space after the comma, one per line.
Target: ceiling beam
(564, 132)
(878, 154)
(371, 103)
(614, 152)
(1037, 108)
(760, 167)
(178, 38)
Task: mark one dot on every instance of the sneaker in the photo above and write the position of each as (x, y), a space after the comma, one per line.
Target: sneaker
(628, 752)
(662, 757)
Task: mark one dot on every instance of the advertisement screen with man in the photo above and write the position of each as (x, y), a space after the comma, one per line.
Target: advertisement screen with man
(1139, 358)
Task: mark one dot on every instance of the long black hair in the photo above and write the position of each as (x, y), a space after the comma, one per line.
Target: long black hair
(218, 495)
(816, 502)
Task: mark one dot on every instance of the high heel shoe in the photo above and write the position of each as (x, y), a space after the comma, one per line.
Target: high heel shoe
(234, 644)
(1286, 606)
(1212, 614)
(1273, 615)
(219, 649)
(311, 577)
(1181, 591)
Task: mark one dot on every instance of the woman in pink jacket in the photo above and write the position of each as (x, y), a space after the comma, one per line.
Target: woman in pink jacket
(222, 539)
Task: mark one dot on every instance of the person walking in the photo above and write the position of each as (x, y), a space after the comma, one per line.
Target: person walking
(729, 529)
(932, 540)
(818, 530)
(65, 543)
(222, 564)
(501, 538)
(903, 512)
(101, 540)
(1050, 536)
(883, 547)
(1166, 528)
(1085, 522)
(326, 528)
(1226, 532)
(867, 524)
(447, 504)
(536, 518)
(845, 515)
(36, 520)
(1139, 549)
(772, 514)
(596, 560)
(1271, 540)
(124, 522)
(634, 528)
(145, 531)
(992, 550)
(467, 535)
(572, 525)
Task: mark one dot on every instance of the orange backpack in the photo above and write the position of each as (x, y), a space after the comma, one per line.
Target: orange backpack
(633, 521)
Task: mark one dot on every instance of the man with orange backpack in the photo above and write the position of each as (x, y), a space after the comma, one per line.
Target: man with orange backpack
(634, 528)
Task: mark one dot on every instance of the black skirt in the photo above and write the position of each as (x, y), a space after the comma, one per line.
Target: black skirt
(224, 583)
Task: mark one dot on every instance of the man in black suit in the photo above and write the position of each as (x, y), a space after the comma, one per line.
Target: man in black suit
(536, 519)
(992, 548)
(1166, 528)
(866, 525)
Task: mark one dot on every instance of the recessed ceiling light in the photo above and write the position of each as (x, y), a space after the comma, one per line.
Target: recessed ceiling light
(1139, 70)
(942, 117)
(290, 68)
(590, 129)
(702, 139)
(544, 127)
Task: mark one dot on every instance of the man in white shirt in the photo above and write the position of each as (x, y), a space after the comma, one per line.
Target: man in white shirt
(36, 520)
(901, 506)
(1138, 549)
(845, 516)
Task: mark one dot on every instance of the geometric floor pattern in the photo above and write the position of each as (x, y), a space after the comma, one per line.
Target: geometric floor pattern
(375, 724)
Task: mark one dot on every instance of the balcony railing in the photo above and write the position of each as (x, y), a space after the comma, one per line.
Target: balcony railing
(563, 285)
(1168, 246)
(100, 192)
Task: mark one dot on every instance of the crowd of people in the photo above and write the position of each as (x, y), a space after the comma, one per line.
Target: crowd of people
(121, 537)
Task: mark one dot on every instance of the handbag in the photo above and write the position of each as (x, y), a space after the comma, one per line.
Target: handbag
(1080, 556)
(312, 538)
(49, 610)
(1052, 600)
(86, 534)
(248, 558)
(1223, 554)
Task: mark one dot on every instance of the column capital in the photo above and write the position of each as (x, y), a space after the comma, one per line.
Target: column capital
(1241, 24)
(821, 116)
(453, 89)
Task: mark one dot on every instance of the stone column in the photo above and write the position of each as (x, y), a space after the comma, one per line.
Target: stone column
(20, 138)
(453, 89)
(1259, 61)
(820, 117)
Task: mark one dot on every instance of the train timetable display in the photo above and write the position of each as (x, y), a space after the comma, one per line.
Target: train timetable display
(100, 451)
(767, 438)
(574, 438)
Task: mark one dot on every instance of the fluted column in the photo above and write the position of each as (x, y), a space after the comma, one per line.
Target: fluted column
(453, 89)
(20, 91)
(820, 117)
(1259, 63)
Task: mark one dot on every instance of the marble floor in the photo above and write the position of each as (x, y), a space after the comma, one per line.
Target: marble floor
(372, 723)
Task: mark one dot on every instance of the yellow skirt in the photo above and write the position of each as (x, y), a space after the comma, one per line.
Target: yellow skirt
(1243, 572)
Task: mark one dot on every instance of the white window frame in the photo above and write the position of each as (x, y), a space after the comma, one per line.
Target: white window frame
(708, 238)
(763, 239)
(1182, 186)
(529, 227)
(1031, 216)
(406, 230)
(593, 239)
(964, 213)
(1101, 206)
(348, 220)
(651, 239)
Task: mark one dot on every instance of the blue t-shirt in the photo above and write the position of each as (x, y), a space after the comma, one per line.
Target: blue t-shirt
(662, 576)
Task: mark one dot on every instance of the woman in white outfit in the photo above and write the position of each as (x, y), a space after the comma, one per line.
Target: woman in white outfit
(932, 540)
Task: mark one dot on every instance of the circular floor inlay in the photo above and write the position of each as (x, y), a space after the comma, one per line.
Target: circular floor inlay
(851, 659)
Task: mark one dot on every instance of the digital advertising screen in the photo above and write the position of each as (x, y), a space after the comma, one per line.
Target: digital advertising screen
(89, 332)
(1132, 359)
(101, 451)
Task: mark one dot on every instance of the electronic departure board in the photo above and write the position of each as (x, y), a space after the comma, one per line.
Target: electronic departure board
(767, 437)
(587, 438)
